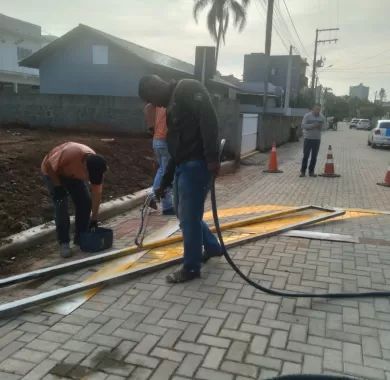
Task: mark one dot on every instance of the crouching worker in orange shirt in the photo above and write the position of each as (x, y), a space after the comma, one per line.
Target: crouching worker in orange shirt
(67, 169)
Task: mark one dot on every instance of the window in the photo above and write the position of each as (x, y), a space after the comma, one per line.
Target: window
(23, 53)
(99, 55)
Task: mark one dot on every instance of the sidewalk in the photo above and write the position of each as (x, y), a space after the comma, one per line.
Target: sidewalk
(217, 327)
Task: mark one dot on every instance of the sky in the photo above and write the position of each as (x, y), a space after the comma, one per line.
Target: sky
(361, 54)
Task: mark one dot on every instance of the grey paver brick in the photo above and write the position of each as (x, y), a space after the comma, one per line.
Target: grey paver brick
(173, 324)
(9, 349)
(170, 338)
(264, 361)
(371, 346)
(165, 370)
(30, 355)
(214, 358)
(129, 334)
(17, 367)
(207, 374)
(146, 344)
(190, 364)
(213, 326)
(41, 345)
(312, 364)
(56, 337)
(259, 344)
(142, 360)
(236, 335)
(279, 338)
(75, 345)
(150, 329)
(290, 368)
(237, 351)
(352, 353)
(59, 355)
(213, 341)
(305, 348)
(40, 370)
(324, 342)
(233, 321)
(240, 369)
(191, 348)
(164, 353)
(298, 333)
(9, 376)
(333, 359)
(192, 332)
(365, 372)
(141, 373)
(267, 374)
(285, 355)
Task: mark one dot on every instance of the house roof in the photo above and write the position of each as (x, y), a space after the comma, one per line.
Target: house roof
(148, 55)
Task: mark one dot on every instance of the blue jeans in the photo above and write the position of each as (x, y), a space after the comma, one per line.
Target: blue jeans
(310, 148)
(160, 148)
(191, 185)
(81, 198)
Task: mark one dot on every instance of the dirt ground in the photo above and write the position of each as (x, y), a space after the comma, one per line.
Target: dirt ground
(24, 200)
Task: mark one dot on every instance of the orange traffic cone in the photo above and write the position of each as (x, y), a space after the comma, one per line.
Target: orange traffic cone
(273, 162)
(329, 166)
(387, 179)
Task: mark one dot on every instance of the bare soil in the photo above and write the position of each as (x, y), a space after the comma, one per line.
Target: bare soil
(24, 200)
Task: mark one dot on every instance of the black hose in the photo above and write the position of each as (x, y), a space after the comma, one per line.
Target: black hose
(268, 290)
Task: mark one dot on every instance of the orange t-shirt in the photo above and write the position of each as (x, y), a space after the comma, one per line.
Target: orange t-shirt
(160, 129)
(68, 160)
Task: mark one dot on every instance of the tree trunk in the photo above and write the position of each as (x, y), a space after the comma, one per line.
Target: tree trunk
(219, 37)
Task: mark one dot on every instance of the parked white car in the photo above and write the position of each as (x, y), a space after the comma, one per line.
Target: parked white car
(380, 135)
(363, 124)
(353, 123)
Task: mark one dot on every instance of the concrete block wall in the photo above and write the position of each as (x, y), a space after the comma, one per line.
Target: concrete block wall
(119, 114)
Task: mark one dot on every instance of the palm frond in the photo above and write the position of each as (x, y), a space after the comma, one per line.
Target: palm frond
(212, 21)
(198, 7)
(225, 25)
(239, 14)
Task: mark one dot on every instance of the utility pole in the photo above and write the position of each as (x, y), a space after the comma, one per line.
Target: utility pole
(317, 41)
(288, 82)
(268, 38)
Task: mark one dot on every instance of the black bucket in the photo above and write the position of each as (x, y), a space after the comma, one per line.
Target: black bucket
(97, 240)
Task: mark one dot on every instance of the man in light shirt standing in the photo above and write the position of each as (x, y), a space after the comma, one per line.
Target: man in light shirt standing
(312, 124)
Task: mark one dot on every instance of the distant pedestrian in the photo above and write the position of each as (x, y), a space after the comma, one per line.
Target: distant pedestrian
(67, 169)
(312, 124)
(156, 120)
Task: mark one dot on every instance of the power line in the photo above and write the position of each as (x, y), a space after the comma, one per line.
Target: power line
(276, 29)
(284, 26)
(296, 31)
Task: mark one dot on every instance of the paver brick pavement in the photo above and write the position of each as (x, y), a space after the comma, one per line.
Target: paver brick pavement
(218, 327)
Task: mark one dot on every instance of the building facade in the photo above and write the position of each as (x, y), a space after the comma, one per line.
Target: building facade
(254, 71)
(18, 40)
(87, 61)
(360, 91)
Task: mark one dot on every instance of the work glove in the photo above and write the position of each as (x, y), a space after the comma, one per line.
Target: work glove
(59, 194)
(93, 225)
(214, 168)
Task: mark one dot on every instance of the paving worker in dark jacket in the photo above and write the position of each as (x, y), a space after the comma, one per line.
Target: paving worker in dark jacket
(67, 169)
(193, 145)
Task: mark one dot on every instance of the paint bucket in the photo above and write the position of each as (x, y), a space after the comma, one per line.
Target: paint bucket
(96, 240)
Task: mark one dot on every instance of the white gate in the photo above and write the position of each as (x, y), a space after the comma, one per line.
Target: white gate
(249, 132)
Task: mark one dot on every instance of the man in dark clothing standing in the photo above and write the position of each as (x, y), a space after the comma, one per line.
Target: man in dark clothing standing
(193, 145)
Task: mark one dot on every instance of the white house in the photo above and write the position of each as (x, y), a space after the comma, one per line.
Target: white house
(18, 40)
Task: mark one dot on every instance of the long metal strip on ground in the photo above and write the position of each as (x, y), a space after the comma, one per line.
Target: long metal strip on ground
(100, 258)
(17, 306)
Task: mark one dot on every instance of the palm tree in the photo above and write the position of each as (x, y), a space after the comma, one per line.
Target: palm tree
(219, 16)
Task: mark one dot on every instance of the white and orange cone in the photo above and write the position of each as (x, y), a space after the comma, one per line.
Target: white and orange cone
(387, 179)
(329, 165)
(273, 162)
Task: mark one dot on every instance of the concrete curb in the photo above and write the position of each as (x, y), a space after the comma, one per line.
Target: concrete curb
(46, 231)
(43, 232)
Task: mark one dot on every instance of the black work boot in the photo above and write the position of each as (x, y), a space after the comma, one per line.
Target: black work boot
(302, 174)
(312, 174)
(182, 275)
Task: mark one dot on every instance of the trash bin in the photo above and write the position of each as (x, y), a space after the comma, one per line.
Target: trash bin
(294, 133)
(96, 240)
